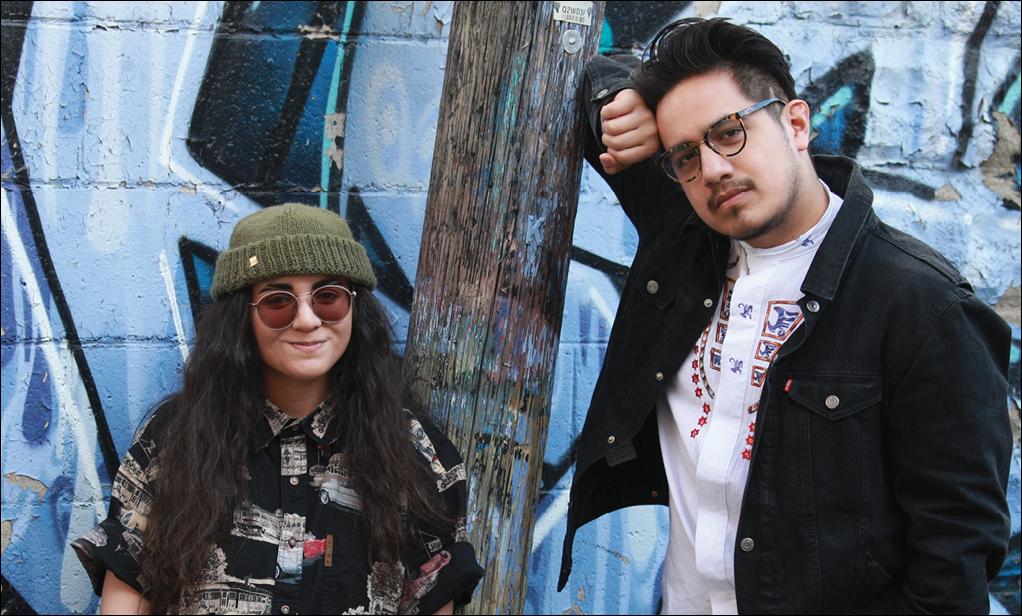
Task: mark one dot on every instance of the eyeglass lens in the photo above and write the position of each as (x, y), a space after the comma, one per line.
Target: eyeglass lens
(278, 310)
(726, 138)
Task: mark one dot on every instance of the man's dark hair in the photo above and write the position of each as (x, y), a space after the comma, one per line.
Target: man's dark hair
(695, 46)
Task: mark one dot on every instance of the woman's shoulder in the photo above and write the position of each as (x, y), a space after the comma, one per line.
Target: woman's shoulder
(154, 425)
(438, 450)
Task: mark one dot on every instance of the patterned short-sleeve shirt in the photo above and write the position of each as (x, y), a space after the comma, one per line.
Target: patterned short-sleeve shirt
(297, 546)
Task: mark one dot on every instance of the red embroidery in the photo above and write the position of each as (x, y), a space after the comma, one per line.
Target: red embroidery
(695, 378)
(787, 386)
(747, 454)
(706, 408)
(748, 440)
(695, 362)
(694, 433)
(699, 393)
(752, 427)
(702, 420)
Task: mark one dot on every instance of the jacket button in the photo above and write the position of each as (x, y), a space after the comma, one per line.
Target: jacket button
(294, 481)
(292, 542)
(708, 302)
(602, 93)
(813, 305)
(747, 544)
(659, 376)
(285, 609)
(610, 440)
(832, 402)
(655, 494)
(652, 287)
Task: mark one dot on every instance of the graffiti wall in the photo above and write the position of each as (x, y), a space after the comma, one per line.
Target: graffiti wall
(136, 134)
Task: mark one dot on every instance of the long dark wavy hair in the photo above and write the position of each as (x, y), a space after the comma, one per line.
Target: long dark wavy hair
(200, 475)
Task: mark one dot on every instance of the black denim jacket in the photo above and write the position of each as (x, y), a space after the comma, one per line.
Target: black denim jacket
(893, 500)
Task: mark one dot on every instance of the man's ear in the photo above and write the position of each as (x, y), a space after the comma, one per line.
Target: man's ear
(799, 118)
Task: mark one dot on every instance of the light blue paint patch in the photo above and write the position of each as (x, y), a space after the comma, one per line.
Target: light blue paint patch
(831, 121)
(331, 105)
(204, 276)
(507, 121)
(1011, 99)
(1016, 349)
(606, 37)
(832, 105)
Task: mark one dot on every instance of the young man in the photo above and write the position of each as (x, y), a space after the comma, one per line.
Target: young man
(818, 397)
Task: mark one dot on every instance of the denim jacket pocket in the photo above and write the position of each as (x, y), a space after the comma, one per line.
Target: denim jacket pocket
(837, 396)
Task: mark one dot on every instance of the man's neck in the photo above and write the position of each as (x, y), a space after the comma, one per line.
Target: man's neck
(810, 205)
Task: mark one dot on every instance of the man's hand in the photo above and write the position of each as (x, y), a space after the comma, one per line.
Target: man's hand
(629, 132)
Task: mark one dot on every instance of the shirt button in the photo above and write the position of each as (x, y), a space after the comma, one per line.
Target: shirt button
(602, 93)
(294, 481)
(652, 286)
(708, 302)
(832, 402)
(659, 376)
(292, 542)
(747, 544)
(285, 609)
(610, 439)
(654, 494)
(813, 305)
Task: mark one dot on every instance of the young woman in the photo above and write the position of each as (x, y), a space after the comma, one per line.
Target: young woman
(285, 476)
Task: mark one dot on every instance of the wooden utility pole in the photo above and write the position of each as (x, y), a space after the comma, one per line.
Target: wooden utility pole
(489, 292)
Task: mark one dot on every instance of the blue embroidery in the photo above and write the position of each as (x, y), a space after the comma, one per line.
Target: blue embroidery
(736, 366)
(808, 241)
(746, 310)
(785, 319)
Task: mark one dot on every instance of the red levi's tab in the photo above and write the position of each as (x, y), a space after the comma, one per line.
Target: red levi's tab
(787, 386)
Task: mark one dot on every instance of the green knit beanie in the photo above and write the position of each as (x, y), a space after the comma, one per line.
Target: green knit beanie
(290, 240)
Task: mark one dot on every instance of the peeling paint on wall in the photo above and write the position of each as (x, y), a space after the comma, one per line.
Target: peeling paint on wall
(27, 483)
(135, 135)
(1000, 171)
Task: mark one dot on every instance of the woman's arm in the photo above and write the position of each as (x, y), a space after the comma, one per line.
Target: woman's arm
(119, 598)
(447, 609)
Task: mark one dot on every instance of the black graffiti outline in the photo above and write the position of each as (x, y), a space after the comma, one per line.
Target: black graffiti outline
(12, 47)
(11, 601)
(189, 250)
(970, 69)
(265, 187)
(12, 37)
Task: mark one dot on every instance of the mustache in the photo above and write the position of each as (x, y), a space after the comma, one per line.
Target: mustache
(720, 189)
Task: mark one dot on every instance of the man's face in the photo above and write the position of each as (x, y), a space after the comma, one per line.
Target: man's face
(755, 195)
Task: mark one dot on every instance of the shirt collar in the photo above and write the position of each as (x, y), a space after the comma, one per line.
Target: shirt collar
(320, 424)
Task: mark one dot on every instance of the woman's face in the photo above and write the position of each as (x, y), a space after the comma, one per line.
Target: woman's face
(304, 352)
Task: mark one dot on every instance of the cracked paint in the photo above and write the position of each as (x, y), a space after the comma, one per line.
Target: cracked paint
(947, 192)
(334, 127)
(27, 483)
(6, 528)
(999, 171)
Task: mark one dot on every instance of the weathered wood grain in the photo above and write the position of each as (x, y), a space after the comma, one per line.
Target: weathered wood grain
(486, 317)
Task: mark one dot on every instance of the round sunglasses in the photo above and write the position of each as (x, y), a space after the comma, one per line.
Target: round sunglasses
(279, 309)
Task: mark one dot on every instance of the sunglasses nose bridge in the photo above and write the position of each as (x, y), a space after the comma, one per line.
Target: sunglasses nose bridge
(305, 312)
